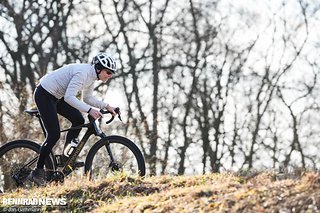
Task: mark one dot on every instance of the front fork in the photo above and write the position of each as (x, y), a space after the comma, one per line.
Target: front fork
(113, 165)
(103, 136)
(109, 152)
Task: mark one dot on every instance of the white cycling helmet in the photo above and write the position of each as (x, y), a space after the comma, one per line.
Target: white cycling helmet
(103, 60)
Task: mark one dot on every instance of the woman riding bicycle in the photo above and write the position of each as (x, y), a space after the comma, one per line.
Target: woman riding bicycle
(57, 94)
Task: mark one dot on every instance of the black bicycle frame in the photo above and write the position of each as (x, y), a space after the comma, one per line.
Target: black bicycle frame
(92, 130)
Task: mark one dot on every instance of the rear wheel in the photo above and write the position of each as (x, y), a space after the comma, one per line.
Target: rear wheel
(112, 155)
(17, 159)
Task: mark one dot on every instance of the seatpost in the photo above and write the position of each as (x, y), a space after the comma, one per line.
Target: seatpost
(41, 124)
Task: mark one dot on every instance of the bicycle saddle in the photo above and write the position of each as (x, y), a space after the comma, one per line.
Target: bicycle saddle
(33, 111)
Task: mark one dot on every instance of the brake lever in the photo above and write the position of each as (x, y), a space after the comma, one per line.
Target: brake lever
(117, 110)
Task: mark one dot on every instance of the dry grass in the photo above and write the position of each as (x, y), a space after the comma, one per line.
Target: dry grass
(206, 193)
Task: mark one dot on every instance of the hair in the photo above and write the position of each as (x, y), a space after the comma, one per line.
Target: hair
(99, 66)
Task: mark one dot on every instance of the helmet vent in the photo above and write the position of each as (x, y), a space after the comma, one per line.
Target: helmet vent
(105, 61)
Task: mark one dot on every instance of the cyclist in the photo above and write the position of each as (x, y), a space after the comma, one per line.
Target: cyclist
(57, 94)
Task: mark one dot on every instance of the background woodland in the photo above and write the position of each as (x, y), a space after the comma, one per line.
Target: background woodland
(204, 86)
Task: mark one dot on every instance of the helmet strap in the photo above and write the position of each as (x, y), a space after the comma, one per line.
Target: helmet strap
(98, 71)
(98, 74)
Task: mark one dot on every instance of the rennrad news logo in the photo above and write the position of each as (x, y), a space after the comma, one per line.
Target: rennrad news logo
(34, 201)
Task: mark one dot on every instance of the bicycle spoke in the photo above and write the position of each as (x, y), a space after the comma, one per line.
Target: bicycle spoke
(123, 161)
(13, 169)
(17, 159)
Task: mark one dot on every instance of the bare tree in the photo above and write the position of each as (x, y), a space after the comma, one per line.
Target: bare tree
(206, 88)
(270, 79)
(152, 21)
(33, 30)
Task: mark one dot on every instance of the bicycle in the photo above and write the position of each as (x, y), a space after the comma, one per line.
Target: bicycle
(109, 155)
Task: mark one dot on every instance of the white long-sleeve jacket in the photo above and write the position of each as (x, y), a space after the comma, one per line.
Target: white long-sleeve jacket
(71, 79)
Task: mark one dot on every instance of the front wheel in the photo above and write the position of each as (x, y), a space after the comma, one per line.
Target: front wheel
(114, 154)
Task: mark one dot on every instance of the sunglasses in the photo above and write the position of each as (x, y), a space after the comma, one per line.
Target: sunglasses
(109, 72)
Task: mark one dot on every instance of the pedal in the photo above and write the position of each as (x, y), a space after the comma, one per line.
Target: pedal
(57, 176)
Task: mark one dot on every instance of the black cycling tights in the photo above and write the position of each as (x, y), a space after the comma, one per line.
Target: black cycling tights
(49, 107)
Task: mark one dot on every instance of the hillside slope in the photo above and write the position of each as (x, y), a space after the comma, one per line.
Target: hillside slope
(206, 193)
